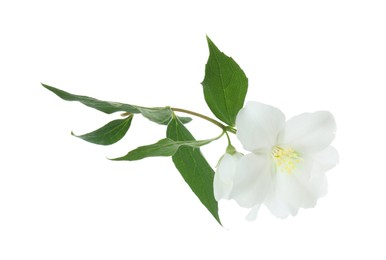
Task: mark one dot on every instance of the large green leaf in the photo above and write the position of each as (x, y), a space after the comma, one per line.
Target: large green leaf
(109, 133)
(164, 147)
(225, 85)
(160, 115)
(193, 167)
(103, 106)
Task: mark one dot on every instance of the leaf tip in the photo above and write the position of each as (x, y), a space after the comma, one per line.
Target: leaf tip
(210, 42)
(126, 157)
(114, 159)
(44, 85)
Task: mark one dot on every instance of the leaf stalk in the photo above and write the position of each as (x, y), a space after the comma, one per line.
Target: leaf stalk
(213, 121)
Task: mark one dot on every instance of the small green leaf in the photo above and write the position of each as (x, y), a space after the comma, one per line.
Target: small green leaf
(164, 147)
(184, 119)
(159, 115)
(109, 133)
(225, 85)
(193, 167)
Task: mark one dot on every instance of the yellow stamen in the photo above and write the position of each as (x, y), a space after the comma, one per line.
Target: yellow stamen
(285, 158)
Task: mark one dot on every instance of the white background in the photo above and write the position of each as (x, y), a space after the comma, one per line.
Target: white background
(60, 198)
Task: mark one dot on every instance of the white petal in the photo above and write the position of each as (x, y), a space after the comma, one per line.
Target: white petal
(303, 192)
(276, 203)
(258, 126)
(319, 186)
(223, 178)
(252, 180)
(309, 132)
(295, 190)
(252, 215)
(324, 160)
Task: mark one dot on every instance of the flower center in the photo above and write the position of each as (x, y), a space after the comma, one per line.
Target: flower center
(285, 159)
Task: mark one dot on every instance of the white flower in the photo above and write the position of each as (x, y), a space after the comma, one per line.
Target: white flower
(286, 166)
(223, 179)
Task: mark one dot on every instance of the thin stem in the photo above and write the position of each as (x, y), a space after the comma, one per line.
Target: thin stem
(231, 129)
(213, 121)
(199, 115)
(229, 140)
(217, 137)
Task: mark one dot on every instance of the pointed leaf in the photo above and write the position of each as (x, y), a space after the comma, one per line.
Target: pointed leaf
(193, 167)
(164, 147)
(160, 115)
(184, 119)
(107, 107)
(225, 85)
(109, 133)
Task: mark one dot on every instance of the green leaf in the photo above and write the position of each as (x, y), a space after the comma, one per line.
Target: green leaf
(193, 167)
(160, 115)
(225, 85)
(184, 119)
(103, 106)
(109, 133)
(164, 147)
